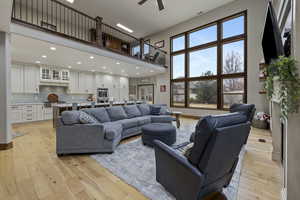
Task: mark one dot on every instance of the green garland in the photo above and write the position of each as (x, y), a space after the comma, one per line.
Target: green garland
(284, 70)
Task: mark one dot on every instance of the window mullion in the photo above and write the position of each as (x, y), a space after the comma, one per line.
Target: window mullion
(219, 66)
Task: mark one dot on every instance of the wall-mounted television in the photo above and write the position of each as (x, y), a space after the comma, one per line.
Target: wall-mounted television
(272, 41)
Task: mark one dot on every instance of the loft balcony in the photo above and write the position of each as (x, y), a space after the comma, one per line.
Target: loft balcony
(57, 18)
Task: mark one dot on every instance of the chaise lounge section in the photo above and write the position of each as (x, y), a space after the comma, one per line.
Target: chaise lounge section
(100, 130)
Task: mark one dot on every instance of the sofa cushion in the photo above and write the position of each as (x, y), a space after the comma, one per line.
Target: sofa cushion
(70, 117)
(143, 120)
(85, 118)
(129, 123)
(144, 108)
(162, 119)
(132, 111)
(204, 129)
(112, 130)
(99, 113)
(155, 110)
(116, 113)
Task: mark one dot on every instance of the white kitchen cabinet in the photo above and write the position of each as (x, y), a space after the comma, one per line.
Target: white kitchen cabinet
(21, 113)
(82, 83)
(86, 83)
(24, 79)
(17, 79)
(31, 79)
(16, 114)
(74, 84)
(48, 113)
(124, 88)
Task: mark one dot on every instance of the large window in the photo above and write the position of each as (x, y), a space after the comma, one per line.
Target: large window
(208, 65)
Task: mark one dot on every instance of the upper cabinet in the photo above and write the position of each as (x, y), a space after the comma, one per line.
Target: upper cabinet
(82, 83)
(31, 79)
(24, 79)
(17, 79)
(54, 75)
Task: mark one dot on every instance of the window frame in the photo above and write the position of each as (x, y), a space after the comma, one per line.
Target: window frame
(219, 76)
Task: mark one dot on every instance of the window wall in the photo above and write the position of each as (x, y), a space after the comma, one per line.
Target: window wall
(208, 65)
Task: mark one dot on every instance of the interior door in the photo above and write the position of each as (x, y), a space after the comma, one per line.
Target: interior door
(146, 93)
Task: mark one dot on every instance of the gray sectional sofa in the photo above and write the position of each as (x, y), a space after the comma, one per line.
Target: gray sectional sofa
(96, 130)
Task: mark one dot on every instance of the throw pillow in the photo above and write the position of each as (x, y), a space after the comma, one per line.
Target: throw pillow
(164, 110)
(155, 110)
(85, 118)
(70, 117)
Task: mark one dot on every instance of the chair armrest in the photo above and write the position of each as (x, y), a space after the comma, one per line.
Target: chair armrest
(176, 173)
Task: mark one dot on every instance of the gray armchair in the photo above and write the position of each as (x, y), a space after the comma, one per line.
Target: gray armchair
(210, 163)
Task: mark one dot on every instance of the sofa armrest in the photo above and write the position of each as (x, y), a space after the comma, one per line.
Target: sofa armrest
(176, 173)
(79, 135)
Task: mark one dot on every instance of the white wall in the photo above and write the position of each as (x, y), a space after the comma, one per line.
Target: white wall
(256, 17)
(293, 133)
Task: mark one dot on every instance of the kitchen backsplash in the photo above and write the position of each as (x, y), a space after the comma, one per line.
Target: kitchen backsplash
(44, 92)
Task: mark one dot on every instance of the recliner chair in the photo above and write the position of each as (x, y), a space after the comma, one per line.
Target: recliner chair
(246, 109)
(211, 162)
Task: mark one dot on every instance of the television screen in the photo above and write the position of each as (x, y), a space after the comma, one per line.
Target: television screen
(272, 41)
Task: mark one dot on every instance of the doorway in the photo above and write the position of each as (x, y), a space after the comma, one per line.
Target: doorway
(146, 93)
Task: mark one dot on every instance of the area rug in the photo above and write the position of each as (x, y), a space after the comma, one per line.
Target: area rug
(134, 163)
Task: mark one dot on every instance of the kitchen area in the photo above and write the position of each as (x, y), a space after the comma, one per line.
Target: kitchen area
(41, 92)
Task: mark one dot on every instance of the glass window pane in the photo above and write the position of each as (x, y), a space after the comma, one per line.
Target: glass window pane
(233, 27)
(178, 43)
(178, 92)
(178, 66)
(203, 36)
(203, 94)
(136, 50)
(203, 62)
(146, 49)
(233, 91)
(233, 57)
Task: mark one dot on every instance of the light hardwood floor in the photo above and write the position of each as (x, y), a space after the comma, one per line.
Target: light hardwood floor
(31, 170)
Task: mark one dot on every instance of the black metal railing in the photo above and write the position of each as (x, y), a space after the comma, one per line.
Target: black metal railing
(56, 17)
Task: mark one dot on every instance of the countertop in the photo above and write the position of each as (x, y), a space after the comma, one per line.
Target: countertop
(63, 105)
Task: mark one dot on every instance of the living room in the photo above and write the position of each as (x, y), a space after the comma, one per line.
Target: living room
(149, 99)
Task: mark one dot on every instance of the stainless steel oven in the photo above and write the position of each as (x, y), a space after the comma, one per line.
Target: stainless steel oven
(102, 95)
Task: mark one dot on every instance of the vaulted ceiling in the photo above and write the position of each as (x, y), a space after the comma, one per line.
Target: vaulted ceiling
(146, 19)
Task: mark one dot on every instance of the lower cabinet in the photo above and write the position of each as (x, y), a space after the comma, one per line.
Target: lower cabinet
(30, 113)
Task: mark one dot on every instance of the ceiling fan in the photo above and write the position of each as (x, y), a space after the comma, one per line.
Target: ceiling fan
(159, 2)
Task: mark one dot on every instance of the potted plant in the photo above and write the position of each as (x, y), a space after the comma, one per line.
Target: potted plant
(283, 84)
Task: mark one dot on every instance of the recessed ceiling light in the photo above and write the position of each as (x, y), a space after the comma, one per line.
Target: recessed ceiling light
(104, 67)
(44, 56)
(69, 67)
(91, 57)
(118, 63)
(38, 62)
(53, 48)
(70, 1)
(79, 63)
(124, 28)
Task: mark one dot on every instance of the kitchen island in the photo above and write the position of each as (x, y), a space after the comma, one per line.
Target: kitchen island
(61, 107)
